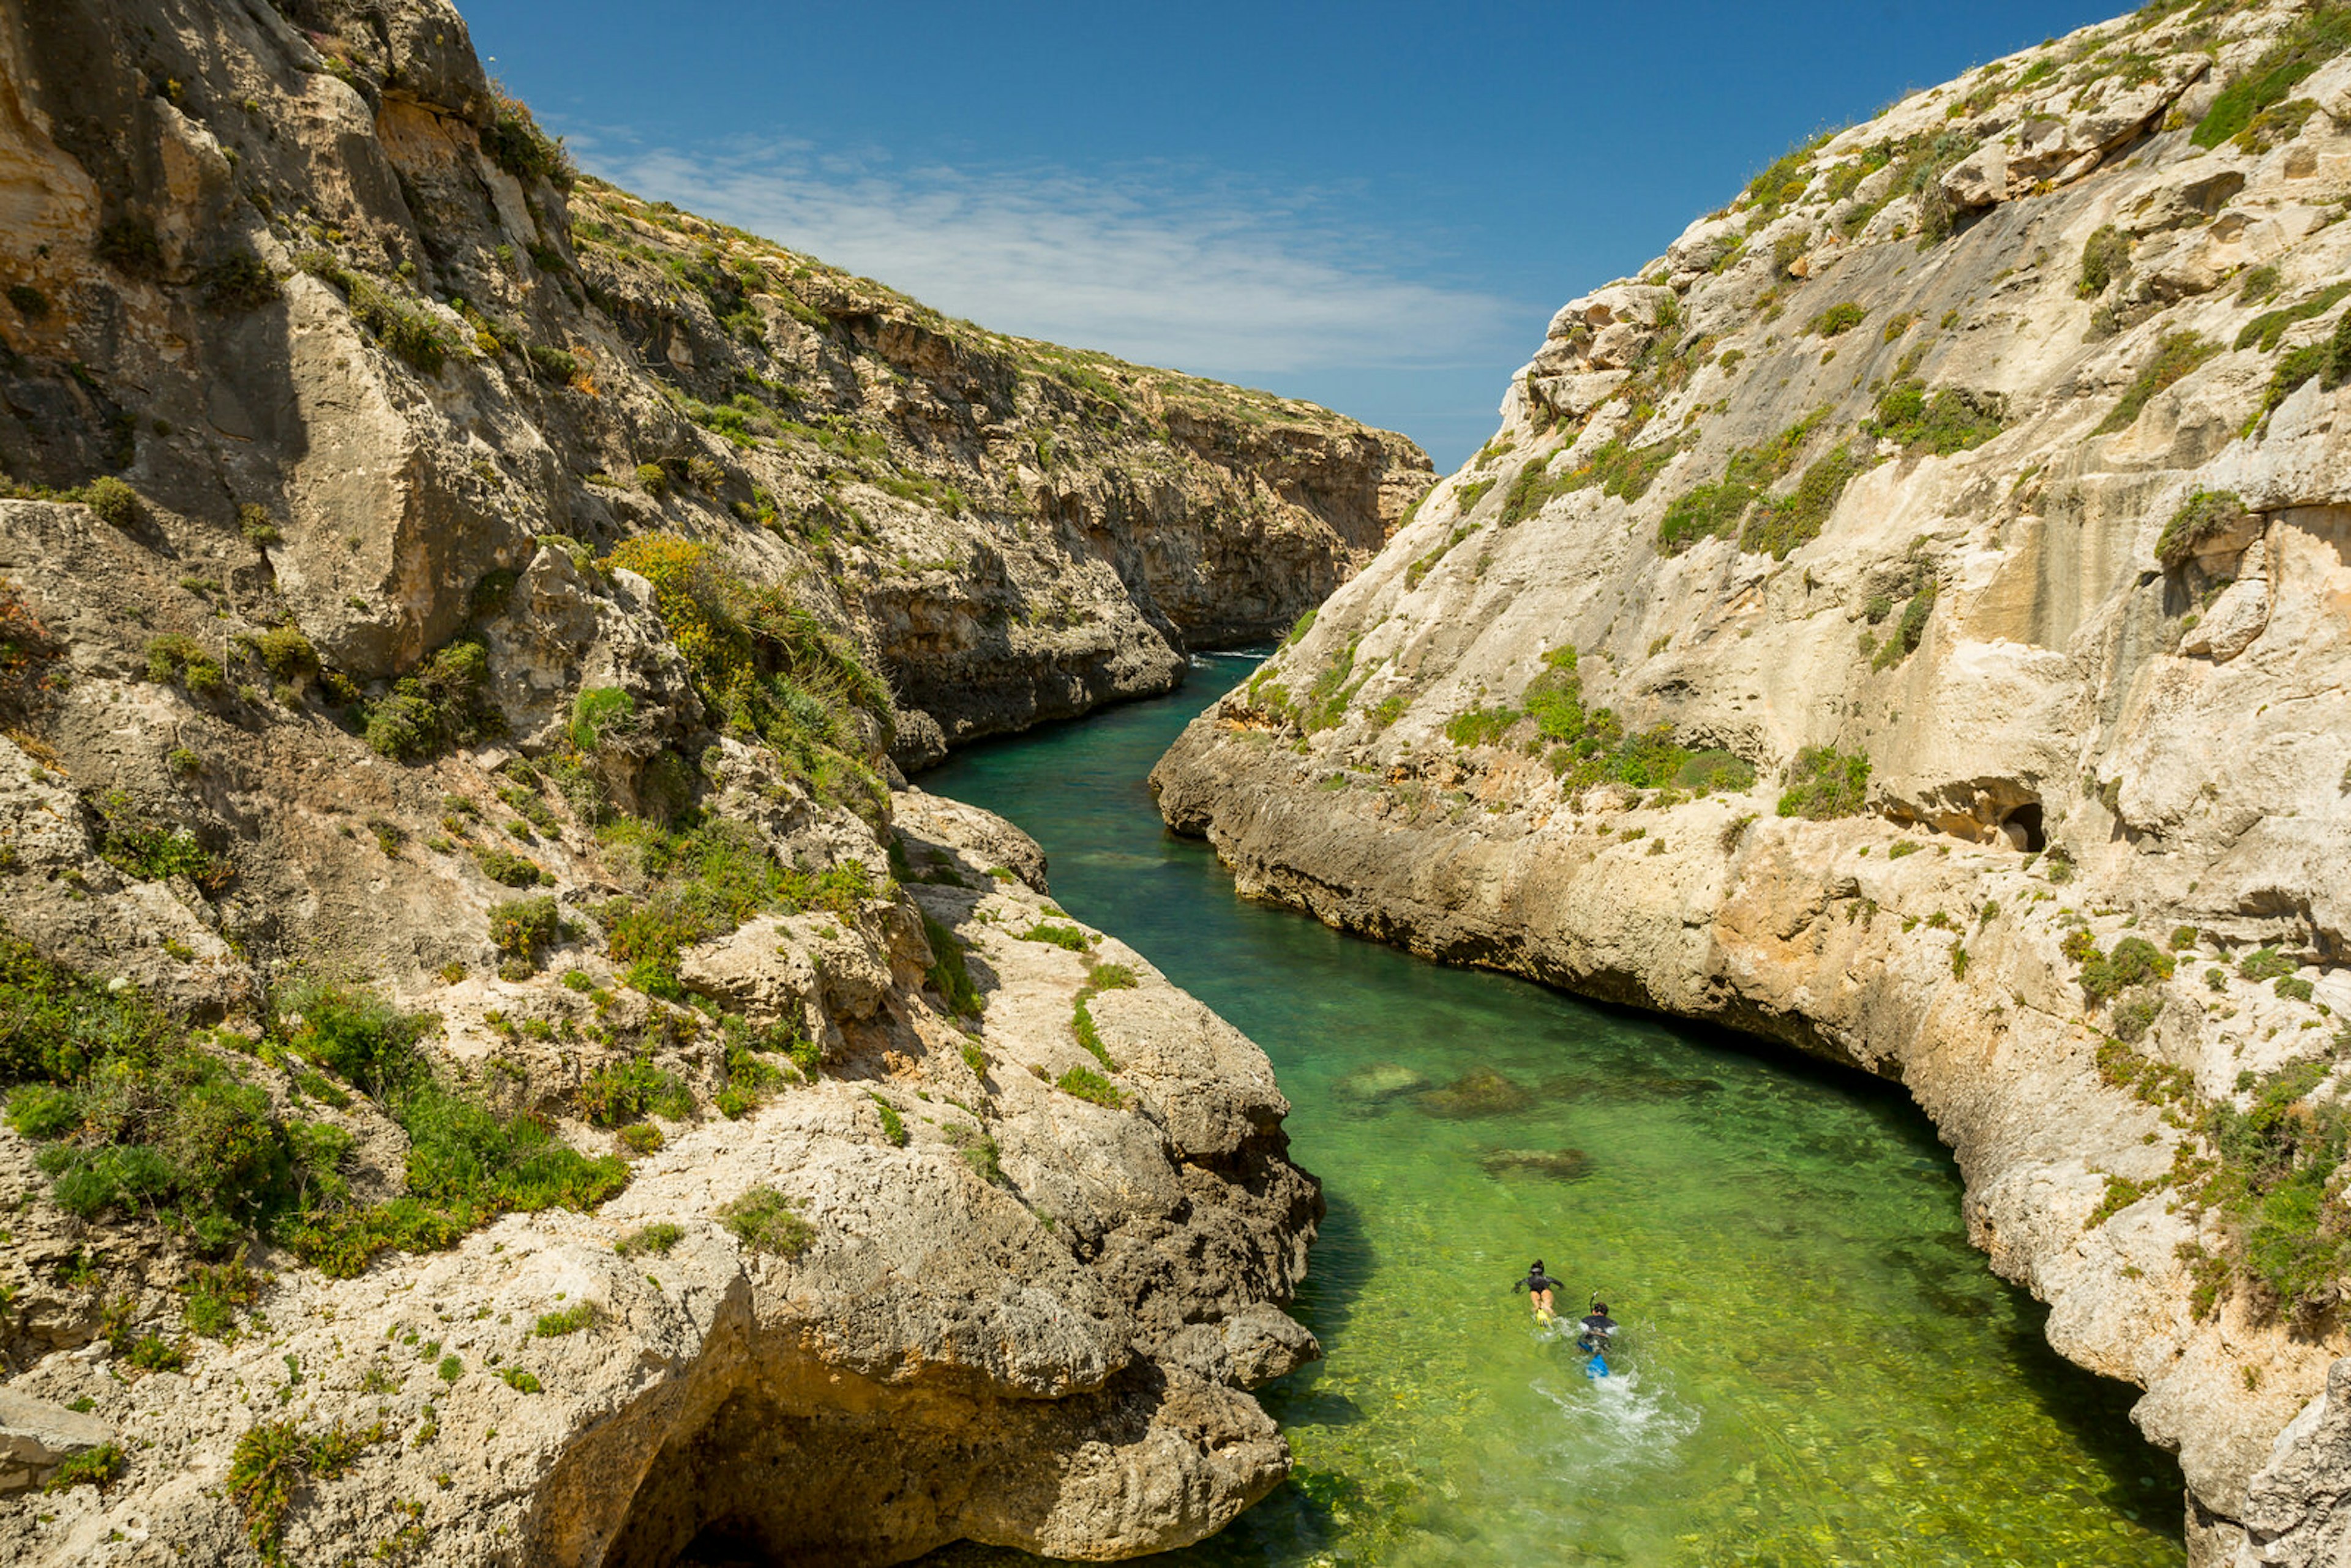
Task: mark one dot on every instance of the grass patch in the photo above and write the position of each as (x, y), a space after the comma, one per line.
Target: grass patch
(1824, 783)
(571, 1320)
(656, 1238)
(770, 669)
(2311, 40)
(1778, 523)
(1953, 420)
(270, 1464)
(2204, 515)
(1085, 1083)
(2175, 356)
(100, 1467)
(1067, 938)
(950, 973)
(765, 1221)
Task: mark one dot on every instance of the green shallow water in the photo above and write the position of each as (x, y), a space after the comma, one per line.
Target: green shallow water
(1818, 1369)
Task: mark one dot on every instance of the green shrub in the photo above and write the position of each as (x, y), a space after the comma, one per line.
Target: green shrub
(1953, 420)
(2131, 1019)
(599, 711)
(627, 1092)
(2311, 41)
(214, 1291)
(2202, 516)
(2134, 961)
(2106, 256)
(2265, 329)
(2277, 1159)
(1710, 511)
(1482, 726)
(507, 868)
(175, 657)
(769, 668)
(894, 1125)
(2265, 964)
(130, 248)
(238, 280)
(553, 365)
(271, 1462)
(518, 145)
(1908, 633)
(445, 704)
(413, 336)
(524, 928)
(1707, 771)
(100, 1467)
(949, 974)
(2183, 937)
(2175, 356)
(521, 1382)
(657, 1237)
(1837, 319)
(1823, 784)
(765, 1221)
(1068, 938)
(116, 503)
(1085, 1083)
(571, 1320)
(29, 301)
(1778, 523)
(2292, 989)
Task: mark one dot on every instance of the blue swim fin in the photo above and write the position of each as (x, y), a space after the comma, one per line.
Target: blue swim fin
(1597, 1366)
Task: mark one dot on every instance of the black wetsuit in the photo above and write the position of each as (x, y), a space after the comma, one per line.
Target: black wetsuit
(1597, 1327)
(1535, 1281)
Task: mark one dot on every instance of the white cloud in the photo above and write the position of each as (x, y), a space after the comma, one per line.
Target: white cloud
(1158, 265)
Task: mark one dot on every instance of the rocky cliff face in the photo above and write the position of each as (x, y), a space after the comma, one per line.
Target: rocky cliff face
(1909, 621)
(493, 1068)
(306, 267)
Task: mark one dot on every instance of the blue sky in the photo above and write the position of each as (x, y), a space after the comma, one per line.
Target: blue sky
(1376, 207)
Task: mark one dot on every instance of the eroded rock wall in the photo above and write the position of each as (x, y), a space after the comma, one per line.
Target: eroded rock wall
(1972, 484)
(305, 259)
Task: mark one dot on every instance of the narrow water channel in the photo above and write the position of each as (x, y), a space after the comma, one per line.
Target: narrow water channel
(1818, 1368)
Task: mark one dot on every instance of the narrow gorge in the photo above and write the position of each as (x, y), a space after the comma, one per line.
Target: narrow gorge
(1907, 622)
(499, 1065)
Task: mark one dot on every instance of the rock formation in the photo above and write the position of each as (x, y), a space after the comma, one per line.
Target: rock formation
(1908, 621)
(497, 1068)
(353, 335)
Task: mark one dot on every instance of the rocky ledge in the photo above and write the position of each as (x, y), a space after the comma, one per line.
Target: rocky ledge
(984, 1282)
(1907, 622)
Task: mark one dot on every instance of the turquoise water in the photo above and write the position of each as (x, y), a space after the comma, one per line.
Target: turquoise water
(1817, 1368)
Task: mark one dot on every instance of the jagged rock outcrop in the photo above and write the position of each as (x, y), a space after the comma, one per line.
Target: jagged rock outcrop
(1908, 622)
(340, 319)
(1014, 1314)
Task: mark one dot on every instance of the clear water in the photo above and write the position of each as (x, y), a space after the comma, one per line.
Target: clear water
(1817, 1367)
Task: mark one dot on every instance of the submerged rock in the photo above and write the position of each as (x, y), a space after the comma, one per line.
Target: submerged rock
(1380, 1081)
(1481, 1093)
(1558, 1164)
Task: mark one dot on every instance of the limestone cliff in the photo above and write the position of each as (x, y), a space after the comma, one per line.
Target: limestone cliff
(1909, 621)
(348, 327)
(493, 1071)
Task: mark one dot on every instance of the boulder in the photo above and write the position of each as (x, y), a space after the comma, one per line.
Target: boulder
(37, 1437)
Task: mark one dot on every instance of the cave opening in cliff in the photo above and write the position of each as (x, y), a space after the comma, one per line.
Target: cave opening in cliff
(2026, 819)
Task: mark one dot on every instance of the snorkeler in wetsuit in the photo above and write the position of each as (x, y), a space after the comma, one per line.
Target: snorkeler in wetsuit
(1596, 1328)
(1539, 1285)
